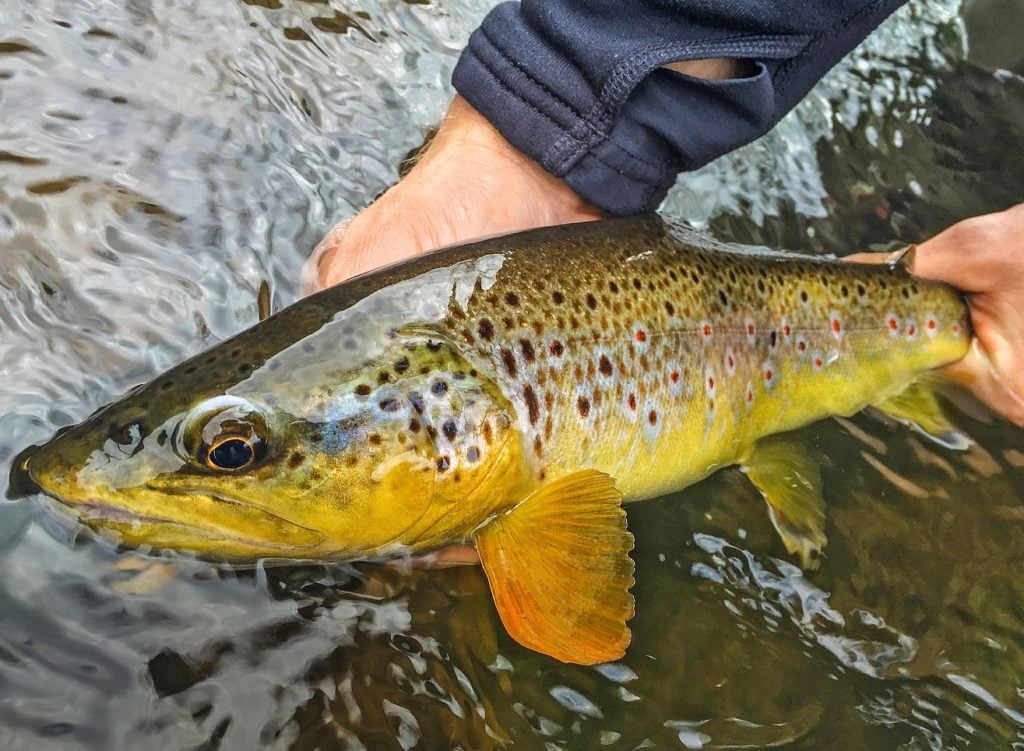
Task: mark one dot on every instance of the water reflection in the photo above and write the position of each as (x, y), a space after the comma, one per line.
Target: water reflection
(161, 162)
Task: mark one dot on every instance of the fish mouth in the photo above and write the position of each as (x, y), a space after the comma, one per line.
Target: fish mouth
(240, 525)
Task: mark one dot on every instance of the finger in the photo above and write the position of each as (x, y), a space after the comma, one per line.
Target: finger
(980, 375)
(311, 276)
(875, 258)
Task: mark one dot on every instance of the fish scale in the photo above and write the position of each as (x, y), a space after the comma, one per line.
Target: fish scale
(512, 393)
(626, 359)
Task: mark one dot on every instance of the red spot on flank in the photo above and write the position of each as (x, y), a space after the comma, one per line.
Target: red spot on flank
(931, 324)
(641, 336)
(911, 330)
(786, 330)
(893, 324)
(836, 325)
(801, 346)
(818, 362)
(711, 383)
(674, 375)
(750, 329)
(768, 374)
(632, 402)
(730, 362)
(750, 395)
(707, 329)
(956, 328)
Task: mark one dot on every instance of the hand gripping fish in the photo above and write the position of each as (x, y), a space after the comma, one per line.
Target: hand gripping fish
(512, 394)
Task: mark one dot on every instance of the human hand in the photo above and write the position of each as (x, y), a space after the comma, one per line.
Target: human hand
(984, 257)
(469, 182)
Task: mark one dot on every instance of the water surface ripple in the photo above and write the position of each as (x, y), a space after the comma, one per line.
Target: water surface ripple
(159, 161)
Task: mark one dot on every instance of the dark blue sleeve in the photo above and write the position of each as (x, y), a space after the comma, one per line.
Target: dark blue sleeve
(578, 85)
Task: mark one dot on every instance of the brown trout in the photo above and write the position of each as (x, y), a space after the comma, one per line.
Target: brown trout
(512, 393)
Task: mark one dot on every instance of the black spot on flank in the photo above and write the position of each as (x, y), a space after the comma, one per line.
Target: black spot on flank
(512, 299)
(906, 293)
(362, 389)
(538, 446)
(190, 370)
(532, 405)
(472, 454)
(168, 385)
(485, 329)
(510, 362)
(244, 367)
(760, 286)
(414, 425)
(527, 348)
(558, 297)
(773, 338)
(670, 308)
(439, 387)
(458, 375)
(583, 406)
(605, 366)
(402, 365)
(443, 462)
(637, 284)
(803, 295)
(431, 432)
(723, 299)
(416, 400)
(236, 352)
(844, 291)
(383, 377)
(591, 301)
(389, 405)
(613, 288)
(316, 436)
(374, 439)
(556, 348)
(296, 459)
(434, 346)
(449, 430)
(861, 290)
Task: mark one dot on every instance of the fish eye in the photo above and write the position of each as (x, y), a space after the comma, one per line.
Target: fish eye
(225, 434)
(234, 452)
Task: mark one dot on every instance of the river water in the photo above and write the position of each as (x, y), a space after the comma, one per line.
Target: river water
(159, 161)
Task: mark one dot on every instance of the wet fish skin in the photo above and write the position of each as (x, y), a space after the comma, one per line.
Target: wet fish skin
(411, 408)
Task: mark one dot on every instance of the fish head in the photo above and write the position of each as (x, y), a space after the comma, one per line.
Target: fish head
(366, 458)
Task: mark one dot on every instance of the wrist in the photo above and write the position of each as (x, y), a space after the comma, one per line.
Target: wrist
(498, 170)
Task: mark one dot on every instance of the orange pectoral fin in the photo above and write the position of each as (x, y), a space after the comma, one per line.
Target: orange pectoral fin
(559, 569)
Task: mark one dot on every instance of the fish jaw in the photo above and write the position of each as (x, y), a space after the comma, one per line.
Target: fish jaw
(217, 526)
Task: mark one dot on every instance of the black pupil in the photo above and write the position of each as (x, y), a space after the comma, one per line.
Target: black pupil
(231, 454)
